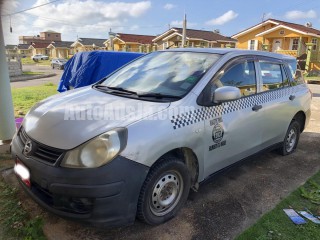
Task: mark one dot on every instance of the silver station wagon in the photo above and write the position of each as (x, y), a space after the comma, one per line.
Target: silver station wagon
(135, 143)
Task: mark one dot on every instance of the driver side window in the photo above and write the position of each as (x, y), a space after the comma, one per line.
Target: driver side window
(241, 75)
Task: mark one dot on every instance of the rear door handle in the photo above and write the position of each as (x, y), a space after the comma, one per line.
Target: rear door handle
(292, 97)
(256, 108)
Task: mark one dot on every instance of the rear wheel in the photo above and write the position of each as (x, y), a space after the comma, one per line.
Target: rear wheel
(291, 139)
(164, 191)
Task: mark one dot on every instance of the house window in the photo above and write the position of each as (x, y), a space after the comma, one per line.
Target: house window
(315, 44)
(48, 34)
(202, 44)
(252, 45)
(281, 32)
(295, 44)
(57, 35)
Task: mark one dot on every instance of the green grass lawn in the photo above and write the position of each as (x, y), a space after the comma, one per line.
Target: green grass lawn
(32, 73)
(15, 221)
(25, 98)
(28, 60)
(276, 225)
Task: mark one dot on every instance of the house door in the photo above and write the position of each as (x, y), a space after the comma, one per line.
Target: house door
(277, 44)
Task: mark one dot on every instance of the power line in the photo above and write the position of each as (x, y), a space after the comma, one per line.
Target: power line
(31, 8)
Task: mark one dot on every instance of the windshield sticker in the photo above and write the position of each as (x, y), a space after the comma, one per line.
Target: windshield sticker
(217, 134)
(185, 85)
(192, 79)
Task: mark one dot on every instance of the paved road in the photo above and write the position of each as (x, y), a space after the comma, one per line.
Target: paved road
(41, 81)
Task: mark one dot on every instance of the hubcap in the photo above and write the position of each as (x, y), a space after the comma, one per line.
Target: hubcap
(166, 193)
(291, 140)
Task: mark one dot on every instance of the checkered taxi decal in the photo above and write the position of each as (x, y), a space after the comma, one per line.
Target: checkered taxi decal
(205, 113)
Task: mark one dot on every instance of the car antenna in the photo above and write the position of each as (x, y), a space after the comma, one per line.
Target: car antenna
(170, 46)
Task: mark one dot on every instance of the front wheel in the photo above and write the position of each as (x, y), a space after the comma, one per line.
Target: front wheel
(291, 139)
(164, 191)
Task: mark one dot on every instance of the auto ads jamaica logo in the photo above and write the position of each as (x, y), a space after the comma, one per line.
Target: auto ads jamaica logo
(217, 134)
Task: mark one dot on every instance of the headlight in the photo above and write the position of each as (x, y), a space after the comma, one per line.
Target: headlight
(98, 151)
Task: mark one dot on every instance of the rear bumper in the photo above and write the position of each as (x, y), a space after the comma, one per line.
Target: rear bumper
(106, 196)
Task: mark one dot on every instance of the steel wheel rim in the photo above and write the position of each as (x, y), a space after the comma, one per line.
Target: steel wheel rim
(291, 140)
(166, 193)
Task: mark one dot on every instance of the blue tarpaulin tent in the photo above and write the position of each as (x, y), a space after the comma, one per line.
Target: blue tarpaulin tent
(86, 68)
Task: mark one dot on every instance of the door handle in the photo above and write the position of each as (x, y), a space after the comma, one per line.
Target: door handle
(256, 108)
(292, 97)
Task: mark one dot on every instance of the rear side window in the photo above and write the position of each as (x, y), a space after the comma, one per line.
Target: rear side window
(273, 76)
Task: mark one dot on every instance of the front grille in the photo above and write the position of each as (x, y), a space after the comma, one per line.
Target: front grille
(40, 151)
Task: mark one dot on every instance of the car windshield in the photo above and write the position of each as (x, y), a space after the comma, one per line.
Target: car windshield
(62, 60)
(167, 73)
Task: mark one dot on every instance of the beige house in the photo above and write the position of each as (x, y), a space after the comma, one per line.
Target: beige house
(130, 43)
(194, 38)
(39, 48)
(60, 49)
(11, 49)
(88, 44)
(23, 50)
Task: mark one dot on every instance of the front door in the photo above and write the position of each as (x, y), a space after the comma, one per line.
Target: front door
(233, 130)
(277, 45)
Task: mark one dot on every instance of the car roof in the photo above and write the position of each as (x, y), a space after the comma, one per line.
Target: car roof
(232, 51)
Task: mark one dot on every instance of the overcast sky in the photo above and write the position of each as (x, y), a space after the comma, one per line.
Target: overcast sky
(94, 18)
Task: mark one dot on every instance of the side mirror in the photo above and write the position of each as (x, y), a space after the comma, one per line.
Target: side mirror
(224, 94)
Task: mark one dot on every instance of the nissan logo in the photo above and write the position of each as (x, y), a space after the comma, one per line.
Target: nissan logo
(27, 147)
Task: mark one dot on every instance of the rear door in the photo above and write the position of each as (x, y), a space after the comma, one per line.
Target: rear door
(276, 96)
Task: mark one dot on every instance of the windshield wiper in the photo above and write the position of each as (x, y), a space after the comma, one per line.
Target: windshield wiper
(118, 89)
(122, 90)
(158, 95)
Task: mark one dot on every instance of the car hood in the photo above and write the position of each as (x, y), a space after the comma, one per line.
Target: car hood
(69, 119)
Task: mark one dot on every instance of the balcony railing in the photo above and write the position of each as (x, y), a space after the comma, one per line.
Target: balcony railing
(293, 53)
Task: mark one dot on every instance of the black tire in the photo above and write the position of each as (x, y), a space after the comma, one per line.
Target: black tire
(291, 139)
(169, 177)
(52, 66)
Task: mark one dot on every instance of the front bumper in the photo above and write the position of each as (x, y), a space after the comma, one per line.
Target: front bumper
(106, 196)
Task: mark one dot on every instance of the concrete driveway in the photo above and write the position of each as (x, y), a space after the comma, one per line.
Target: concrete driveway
(223, 207)
(41, 81)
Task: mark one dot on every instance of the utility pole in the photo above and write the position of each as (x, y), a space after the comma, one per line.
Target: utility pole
(112, 35)
(7, 122)
(184, 31)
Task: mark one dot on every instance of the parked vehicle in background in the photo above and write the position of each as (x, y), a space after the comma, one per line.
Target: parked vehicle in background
(38, 57)
(58, 63)
(134, 144)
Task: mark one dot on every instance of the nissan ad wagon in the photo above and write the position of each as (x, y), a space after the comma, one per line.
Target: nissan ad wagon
(135, 143)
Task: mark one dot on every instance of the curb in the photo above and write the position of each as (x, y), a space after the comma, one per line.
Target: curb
(26, 77)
